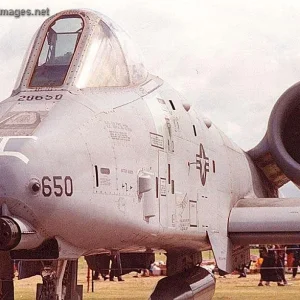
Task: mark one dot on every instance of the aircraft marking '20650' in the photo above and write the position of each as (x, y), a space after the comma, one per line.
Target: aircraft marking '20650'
(97, 156)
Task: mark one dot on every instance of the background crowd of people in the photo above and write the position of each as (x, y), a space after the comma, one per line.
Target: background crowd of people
(272, 263)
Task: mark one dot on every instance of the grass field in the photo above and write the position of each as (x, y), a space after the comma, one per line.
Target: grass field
(229, 288)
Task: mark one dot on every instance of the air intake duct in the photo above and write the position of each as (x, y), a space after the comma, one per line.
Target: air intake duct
(281, 143)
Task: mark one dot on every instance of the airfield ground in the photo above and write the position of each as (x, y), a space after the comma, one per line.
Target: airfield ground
(229, 288)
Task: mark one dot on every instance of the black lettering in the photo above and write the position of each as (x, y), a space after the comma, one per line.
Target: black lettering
(22, 98)
(68, 186)
(46, 188)
(30, 98)
(57, 186)
(48, 97)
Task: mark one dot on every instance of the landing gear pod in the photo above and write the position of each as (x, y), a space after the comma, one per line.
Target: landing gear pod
(10, 234)
(196, 283)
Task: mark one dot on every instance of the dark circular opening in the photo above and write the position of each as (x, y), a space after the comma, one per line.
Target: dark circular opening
(35, 187)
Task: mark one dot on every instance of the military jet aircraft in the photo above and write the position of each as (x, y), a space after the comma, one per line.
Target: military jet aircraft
(99, 156)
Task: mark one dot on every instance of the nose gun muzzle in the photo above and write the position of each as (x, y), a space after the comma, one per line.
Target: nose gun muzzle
(10, 233)
(16, 234)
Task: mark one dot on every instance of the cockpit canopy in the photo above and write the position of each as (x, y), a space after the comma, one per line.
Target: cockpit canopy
(81, 49)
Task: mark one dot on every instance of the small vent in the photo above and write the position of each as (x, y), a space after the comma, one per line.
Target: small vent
(96, 176)
(172, 187)
(195, 132)
(172, 104)
(105, 171)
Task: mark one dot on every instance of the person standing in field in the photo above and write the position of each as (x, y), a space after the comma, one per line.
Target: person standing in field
(296, 254)
(280, 258)
(290, 256)
(116, 267)
(269, 267)
(263, 253)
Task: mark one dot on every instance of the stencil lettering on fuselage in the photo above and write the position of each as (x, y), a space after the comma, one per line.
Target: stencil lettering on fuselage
(157, 140)
(163, 187)
(183, 211)
(118, 131)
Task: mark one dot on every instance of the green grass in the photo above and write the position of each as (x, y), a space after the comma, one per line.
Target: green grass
(230, 288)
(233, 288)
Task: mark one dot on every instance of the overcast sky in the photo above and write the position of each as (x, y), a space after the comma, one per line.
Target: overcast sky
(230, 59)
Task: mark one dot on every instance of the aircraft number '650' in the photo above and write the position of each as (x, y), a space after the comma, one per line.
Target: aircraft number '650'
(57, 185)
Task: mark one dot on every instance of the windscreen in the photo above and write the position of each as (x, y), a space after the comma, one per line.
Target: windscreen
(56, 54)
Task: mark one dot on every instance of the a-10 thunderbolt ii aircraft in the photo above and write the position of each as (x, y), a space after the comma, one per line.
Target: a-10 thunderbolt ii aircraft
(99, 156)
